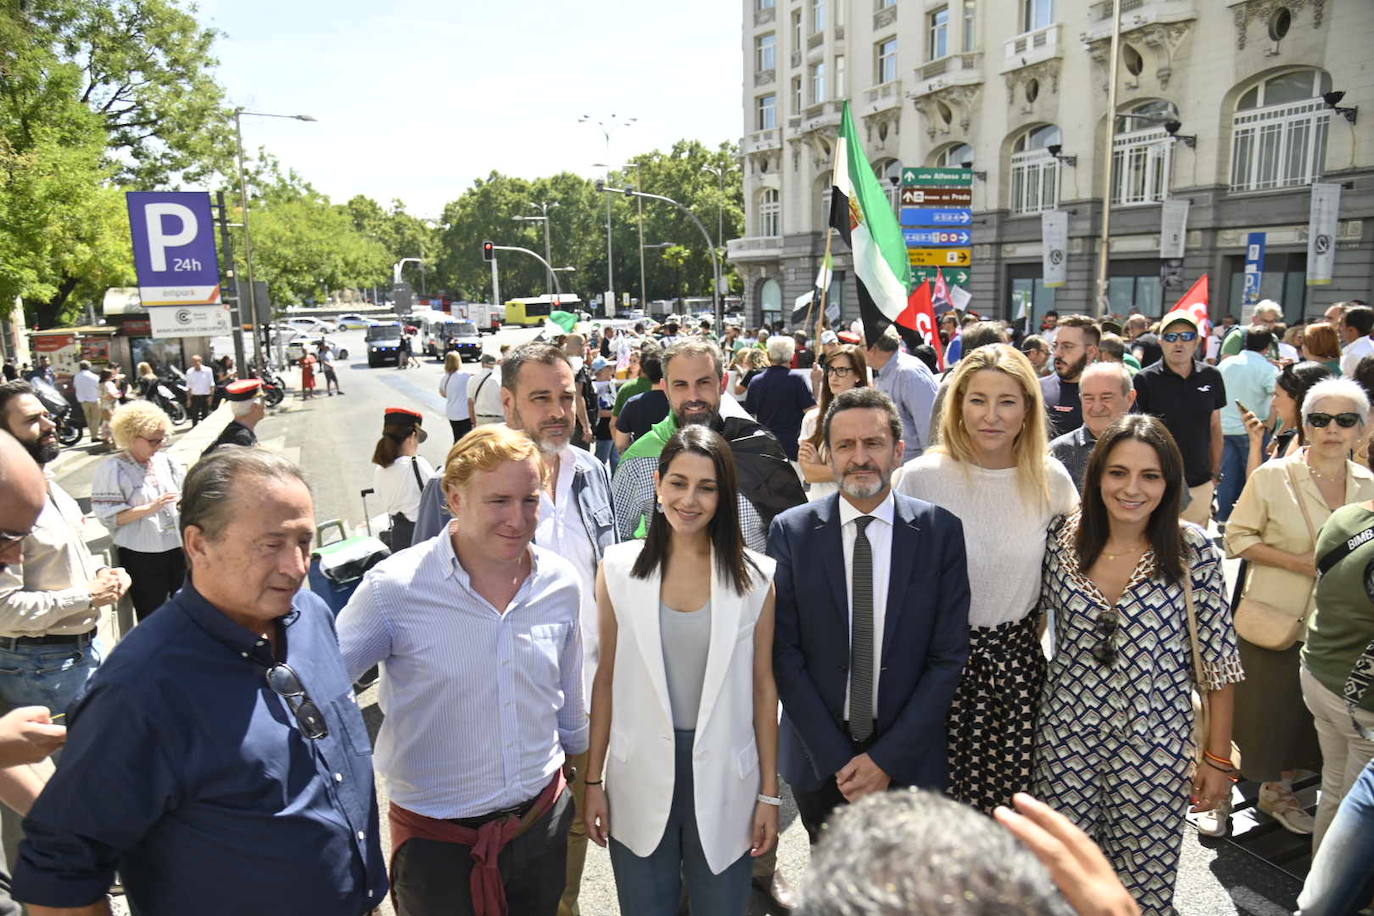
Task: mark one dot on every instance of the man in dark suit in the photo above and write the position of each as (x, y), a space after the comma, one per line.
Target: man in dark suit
(872, 622)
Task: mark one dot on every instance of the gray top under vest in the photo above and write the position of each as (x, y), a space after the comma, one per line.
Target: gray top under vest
(686, 639)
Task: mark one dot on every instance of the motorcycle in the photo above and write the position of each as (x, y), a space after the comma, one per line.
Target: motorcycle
(70, 422)
(273, 385)
(170, 394)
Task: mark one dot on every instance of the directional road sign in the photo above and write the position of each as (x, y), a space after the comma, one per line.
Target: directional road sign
(956, 275)
(937, 238)
(926, 217)
(940, 257)
(937, 177)
(937, 197)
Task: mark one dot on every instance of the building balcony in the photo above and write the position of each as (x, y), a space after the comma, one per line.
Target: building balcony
(821, 115)
(1135, 14)
(765, 16)
(754, 248)
(882, 97)
(1033, 47)
(951, 70)
(761, 141)
(815, 40)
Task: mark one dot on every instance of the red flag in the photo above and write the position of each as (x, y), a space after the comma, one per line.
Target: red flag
(940, 298)
(920, 314)
(1195, 302)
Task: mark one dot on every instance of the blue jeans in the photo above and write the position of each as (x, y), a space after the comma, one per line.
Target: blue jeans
(1342, 877)
(51, 676)
(1234, 456)
(605, 453)
(652, 885)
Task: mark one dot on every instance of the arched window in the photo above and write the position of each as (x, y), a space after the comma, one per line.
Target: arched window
(889, 172)
(770, 213)
(1278, 131)
(953, 157)
(1142, 153)
(1034, 172)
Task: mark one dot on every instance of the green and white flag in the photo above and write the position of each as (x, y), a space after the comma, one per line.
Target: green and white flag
(862, 215)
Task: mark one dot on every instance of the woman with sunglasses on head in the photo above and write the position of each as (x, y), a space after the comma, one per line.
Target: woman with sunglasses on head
(686, 657)
(845, 368)
(135, 494)
(1274, 528)
(1114, 747)
(992, 468)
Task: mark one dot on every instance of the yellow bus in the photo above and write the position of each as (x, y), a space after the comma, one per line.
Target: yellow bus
(533, 311)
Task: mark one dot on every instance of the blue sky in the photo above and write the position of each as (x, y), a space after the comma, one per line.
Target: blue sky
(416, 98)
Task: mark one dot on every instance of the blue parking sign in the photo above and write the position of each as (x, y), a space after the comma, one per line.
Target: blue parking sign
(1254, 266)
(173, 236)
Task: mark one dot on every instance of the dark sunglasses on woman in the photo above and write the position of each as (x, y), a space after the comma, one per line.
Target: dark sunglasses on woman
(1323, 420)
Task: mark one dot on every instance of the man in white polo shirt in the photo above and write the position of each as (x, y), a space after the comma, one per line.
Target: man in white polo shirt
(200, 385)
(87, 386)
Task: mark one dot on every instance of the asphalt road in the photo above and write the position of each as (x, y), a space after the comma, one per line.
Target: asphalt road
(332, 438)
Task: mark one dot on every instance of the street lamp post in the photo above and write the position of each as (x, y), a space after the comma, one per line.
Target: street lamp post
(239, 114)
(606, 125)
(719, 172)
(544, 208)
(715, 260)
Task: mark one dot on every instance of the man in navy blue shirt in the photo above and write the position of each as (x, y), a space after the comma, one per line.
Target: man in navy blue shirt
(777, 398)
(218, 759)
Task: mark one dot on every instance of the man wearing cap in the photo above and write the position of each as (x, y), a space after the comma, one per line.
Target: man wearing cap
(245, 401)
(1187, 395)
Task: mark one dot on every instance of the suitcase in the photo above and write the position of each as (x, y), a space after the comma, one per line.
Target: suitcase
(337, 566)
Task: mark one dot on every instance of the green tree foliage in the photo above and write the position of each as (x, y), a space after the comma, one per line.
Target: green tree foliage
(146, 71)
(62, 227)
(487, 211)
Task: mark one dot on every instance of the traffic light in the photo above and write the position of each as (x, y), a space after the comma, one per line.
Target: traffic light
(488, 252)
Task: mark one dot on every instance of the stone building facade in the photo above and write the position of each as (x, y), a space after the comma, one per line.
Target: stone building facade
(1224, 103)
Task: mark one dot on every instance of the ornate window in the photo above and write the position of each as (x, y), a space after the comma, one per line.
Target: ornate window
(1278, 132)
(766, 112)
(765, 52)
(938, 31)
(1034, 172)
(1142, 154)
(885, 61)
(770, 213)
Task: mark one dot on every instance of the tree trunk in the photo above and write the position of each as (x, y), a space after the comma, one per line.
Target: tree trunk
(49, 314)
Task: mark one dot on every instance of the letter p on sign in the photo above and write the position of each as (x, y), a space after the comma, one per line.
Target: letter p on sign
(159, 240)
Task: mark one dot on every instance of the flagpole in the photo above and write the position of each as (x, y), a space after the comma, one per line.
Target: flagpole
(825, 259)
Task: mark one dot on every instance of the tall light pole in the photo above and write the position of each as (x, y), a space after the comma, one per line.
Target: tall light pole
(544, 208)
(715, 260)
(719, 172)
(607, 125)
(239, 114)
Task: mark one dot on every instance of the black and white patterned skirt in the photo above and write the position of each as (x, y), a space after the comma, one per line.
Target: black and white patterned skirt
(992, 718)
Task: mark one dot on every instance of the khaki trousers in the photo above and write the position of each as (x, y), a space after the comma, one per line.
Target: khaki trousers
(1344, 750)
(1199, 511)
(577, 838)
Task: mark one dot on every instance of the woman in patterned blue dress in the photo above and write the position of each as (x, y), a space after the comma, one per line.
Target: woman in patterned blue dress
(1114, 748)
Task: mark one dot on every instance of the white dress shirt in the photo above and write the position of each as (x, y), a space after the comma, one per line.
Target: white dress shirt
(879, 534)
(87, 386)
(49, 593)
(200, 381)
(481, 705)
(397, 486)
(561, 529)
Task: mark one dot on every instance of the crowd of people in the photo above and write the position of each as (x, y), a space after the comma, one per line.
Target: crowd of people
(661, 576)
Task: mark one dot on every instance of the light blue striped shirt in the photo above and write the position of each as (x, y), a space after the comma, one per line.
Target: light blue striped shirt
(481, 707)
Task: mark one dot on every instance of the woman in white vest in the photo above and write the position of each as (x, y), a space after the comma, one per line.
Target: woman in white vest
(684, 698)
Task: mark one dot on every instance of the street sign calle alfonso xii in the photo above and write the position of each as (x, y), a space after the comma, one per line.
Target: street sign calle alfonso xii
(937, 217)
(178, 270)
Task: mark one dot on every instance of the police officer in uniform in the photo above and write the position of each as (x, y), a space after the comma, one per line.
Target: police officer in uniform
(245, 400)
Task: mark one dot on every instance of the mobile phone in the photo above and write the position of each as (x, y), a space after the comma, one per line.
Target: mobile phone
(1243, 407)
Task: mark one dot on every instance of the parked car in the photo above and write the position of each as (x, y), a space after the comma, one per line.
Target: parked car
(384, 344)
(355, 321)
(311, 325)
